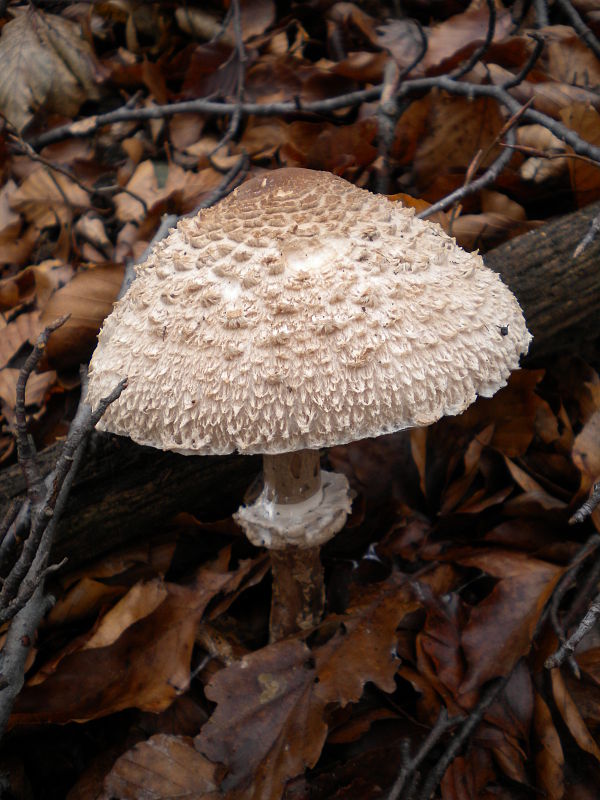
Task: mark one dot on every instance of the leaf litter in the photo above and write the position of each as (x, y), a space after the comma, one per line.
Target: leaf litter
(443, 575)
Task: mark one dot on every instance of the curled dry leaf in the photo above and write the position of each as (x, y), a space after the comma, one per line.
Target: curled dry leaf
(47, 64)
(140, 657)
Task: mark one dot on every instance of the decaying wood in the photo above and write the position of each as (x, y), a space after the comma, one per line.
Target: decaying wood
(559, 294)
(125, 492)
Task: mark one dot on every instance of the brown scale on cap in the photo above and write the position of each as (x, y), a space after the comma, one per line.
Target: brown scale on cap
(302, 312)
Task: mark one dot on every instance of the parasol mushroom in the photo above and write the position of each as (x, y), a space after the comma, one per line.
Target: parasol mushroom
(301, 312)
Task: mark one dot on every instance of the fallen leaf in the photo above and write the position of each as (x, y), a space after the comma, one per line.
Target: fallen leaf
(571, 715)
(49, 198)
(183, 189)
(146, 666)
(269, 722)
(549, 757)
(88, 298)
(37, 386)
(500, 628)
(25, 328)
(586, 453)
(162, 767)
(47, 65)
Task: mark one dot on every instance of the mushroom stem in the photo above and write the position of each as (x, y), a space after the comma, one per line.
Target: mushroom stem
(298, 510)
(298, 597)
(292, 483)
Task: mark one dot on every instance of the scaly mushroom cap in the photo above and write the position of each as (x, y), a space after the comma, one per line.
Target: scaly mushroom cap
(302, 312)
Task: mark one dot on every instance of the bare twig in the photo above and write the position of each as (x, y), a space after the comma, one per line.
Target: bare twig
(23, 602)
(488, 177)
(585, 242)
(411, 765)
(25, 448)
(541, 13)
(580, 27)
(240, 55)
(482, 49)
(529, 64)
(590, 504)
(584, 627)
(459, 740)
(87, 126)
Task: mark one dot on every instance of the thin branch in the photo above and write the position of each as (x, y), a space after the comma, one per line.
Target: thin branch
(587, 509)
(589, 237)
(580, 27)
(25, 449)
(240, 54)
(411, 765)
(488, 177)
(568, 647)
(541, 13)
(529, 64)
(482, 49)
(461, 737)
(87, 126)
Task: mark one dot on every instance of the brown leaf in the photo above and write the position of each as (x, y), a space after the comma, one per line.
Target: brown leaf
(513, 412)
(457, 129)
(182, 188)
(49, 198)
(485, 231)
(549, 758)
(47, 65)
(585, 174)
(25, 328)
(37, 387)
(500, 629)
(269, 721)
(88, 298)
(146, 666)
(570, 713)
(162, 767)
(586, 451)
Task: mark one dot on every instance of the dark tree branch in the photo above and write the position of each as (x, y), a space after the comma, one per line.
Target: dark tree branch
(568, 647)
(482, 49)
(411, 765)
(580, 27)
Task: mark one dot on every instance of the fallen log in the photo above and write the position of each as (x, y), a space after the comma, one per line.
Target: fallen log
(125, 492)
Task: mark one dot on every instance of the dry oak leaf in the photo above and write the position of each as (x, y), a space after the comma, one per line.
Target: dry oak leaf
(46, 63)
(162, 768)
(500, 628)
(269, 724)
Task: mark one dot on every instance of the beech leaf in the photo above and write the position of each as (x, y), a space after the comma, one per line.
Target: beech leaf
(46, 63)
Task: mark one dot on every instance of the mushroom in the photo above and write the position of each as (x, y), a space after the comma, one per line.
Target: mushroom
(299, 313)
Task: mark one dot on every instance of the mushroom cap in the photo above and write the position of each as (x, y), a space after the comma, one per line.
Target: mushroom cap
(302, 312)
